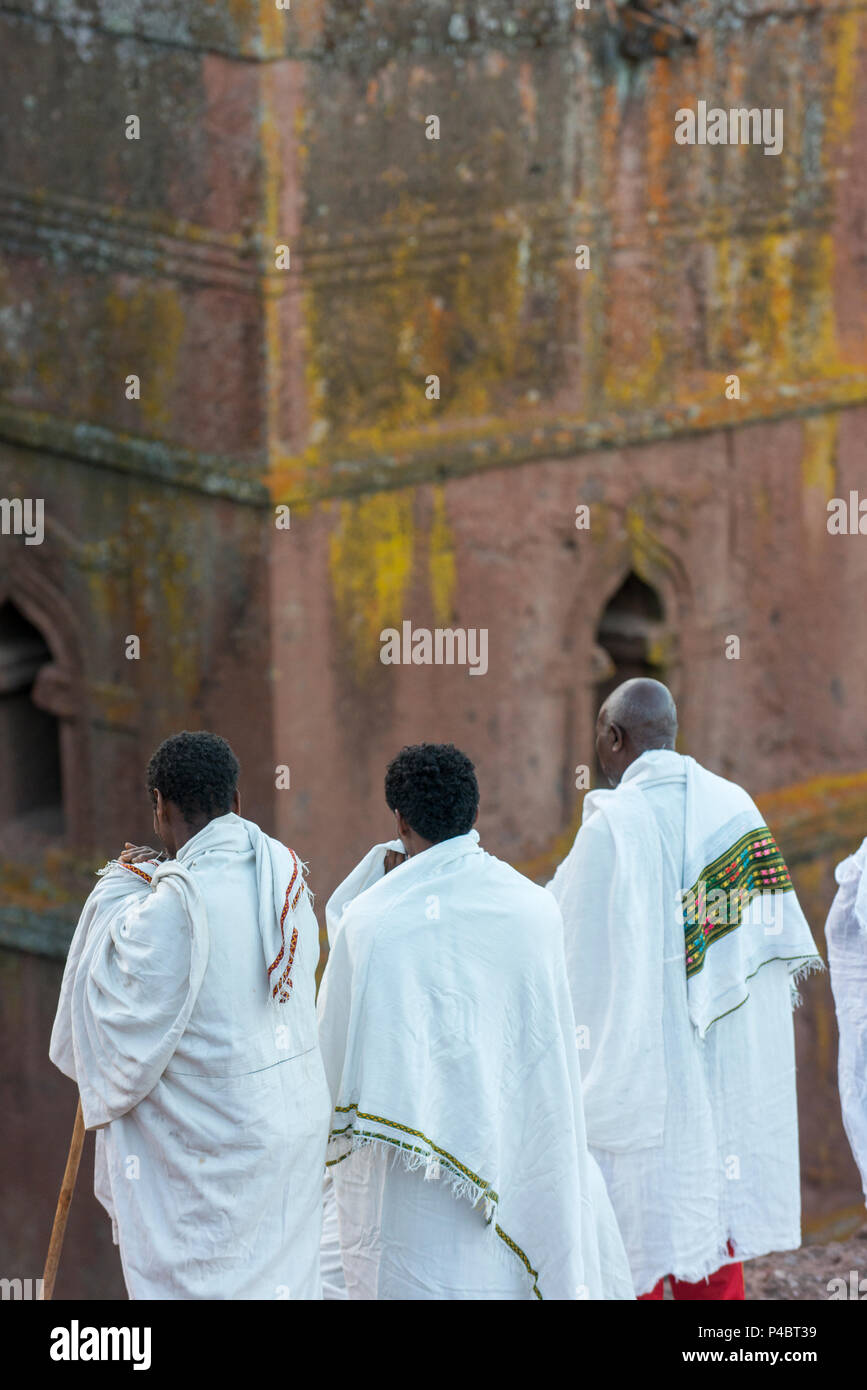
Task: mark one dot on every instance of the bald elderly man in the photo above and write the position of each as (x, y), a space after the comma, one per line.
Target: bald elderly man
(684, 939)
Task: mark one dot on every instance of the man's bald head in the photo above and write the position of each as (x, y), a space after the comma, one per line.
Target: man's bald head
(639, 715)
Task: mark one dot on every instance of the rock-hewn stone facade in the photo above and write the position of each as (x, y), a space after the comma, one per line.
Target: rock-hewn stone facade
(559, 387)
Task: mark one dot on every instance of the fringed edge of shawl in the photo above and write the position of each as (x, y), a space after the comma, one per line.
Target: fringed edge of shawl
(129, 868)
(305, 871)
(807, 966)
(463, 1188)
(813, 965)
(476, 1192)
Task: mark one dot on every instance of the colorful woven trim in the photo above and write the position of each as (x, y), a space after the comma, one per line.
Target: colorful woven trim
(715, 904)
(134, 869)
(281, 989)
(447, 1160)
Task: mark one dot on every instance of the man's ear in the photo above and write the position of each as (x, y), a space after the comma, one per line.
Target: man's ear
(236, 802)
(616, 736)
(404, 829)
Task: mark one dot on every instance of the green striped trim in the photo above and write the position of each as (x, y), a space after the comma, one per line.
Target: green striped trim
(417, 1134)
(448, 1159)
(787, 960)
(516, 1250)
(752, 865)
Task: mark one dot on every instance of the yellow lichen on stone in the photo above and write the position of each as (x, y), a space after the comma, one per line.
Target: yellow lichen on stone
(145, 329)
(772, 306)
(814, 309)
(846, 43)
(371, 558)
(271, 27)
(165, 578)
(818, 461)
(460, 323)
(647, 552)
(442, 567)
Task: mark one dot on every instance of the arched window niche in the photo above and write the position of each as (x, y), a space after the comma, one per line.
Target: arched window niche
(31, 781)
(631, 633)
(44, 770)
(632, 639)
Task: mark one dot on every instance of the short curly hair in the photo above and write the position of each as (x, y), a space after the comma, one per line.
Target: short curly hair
(197, 772)
(434, 787)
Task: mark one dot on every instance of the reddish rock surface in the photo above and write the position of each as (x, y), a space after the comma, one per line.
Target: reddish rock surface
(559, 387)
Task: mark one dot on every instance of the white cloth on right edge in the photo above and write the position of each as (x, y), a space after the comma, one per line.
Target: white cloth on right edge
(846, 935)
(689, 1085)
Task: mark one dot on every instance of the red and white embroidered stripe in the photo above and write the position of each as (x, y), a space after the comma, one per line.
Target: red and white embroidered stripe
(284, 984)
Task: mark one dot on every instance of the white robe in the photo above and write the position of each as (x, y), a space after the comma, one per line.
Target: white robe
(689, 1091)
(846, 935)
(388, 1216)
(458, 1153)
(209, 1097)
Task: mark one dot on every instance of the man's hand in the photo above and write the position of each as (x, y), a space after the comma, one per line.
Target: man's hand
(392, 858)
(137, 854)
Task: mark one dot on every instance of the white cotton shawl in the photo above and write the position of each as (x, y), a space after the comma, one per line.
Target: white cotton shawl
(846, 935)
(117, 1024)
(114, 1033)
(625, 1088)
(208, 1096)
(448, 1038)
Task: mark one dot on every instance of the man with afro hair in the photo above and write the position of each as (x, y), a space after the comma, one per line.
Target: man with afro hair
(457, 1152)
(187, 1018)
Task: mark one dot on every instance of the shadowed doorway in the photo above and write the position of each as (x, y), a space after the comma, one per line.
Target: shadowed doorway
(31, 789)
(630, 632)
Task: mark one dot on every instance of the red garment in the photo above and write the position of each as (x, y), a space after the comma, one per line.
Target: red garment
(727, 1283)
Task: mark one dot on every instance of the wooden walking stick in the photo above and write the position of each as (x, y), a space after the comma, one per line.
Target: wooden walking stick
(67, 1187)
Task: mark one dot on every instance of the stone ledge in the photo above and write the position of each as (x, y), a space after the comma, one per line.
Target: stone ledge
(436, 454)
(151, 459)
(367, 36)
(38, 933)
(420, 456)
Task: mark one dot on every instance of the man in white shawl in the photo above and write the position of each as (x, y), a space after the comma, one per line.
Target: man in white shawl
(457, 1152)
(187, 1018)
(684, 939)
(846, 935)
